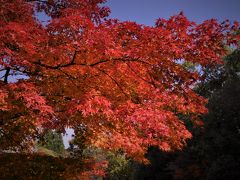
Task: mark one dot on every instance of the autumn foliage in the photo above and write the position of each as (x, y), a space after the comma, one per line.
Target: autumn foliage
(121, 85)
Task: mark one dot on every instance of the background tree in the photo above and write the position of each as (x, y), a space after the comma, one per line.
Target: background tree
(52, 141)
(213, 151)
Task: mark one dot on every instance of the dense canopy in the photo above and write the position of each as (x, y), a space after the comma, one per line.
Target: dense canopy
(121, 85)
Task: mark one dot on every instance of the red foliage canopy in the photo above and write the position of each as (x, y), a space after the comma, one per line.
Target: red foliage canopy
(119, 83)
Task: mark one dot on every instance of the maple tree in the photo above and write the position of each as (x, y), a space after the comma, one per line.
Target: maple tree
(121, 85)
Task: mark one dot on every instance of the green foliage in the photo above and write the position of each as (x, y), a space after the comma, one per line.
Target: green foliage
(51, 144)
(119, 166)
(190, 66)
(233, 64)
(45, 151)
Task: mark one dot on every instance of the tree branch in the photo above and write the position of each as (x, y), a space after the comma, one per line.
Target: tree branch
(149, 82)
(40, 1)
(72, 62)
(119, 86)
(6, 75)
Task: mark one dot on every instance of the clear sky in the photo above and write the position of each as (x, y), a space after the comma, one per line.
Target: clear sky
(147, 11)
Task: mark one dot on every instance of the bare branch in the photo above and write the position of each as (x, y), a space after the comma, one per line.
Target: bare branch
(72, 62)
(6, 75)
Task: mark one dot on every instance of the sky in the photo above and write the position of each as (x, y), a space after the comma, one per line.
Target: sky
(147, 11)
